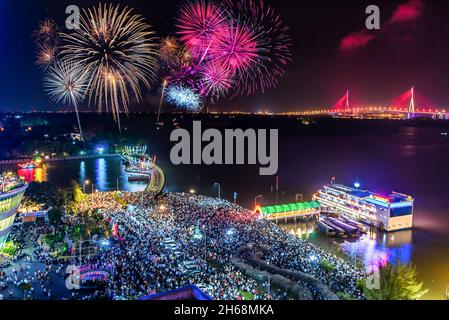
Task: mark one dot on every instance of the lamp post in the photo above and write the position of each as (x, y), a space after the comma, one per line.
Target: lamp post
(85, 183)
(219, 189)
(255, 200)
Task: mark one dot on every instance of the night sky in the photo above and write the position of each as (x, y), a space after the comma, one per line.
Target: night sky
(332, 52)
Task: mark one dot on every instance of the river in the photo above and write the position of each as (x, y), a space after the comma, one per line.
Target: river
(412, 160)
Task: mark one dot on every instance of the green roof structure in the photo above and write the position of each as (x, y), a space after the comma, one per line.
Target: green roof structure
(292, 207)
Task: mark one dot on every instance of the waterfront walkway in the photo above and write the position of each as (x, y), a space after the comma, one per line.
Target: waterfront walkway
(71, 158)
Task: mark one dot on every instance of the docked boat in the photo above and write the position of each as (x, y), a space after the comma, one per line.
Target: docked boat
(323, 227)
(355, 224)
(339, 231)
(350, 230)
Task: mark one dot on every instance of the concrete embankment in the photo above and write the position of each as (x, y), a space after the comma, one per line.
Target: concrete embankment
(254, 256)
(72, 158)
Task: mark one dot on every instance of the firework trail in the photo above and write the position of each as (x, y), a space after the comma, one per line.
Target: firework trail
(117, 51)
(164, 87)
(66, 83)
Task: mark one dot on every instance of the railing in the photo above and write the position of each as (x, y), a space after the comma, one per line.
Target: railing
(85, 157)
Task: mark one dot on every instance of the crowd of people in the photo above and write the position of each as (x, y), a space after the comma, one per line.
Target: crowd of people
(156, 239)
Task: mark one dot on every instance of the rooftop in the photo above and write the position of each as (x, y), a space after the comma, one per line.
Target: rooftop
(10, 182)
(369, 196)
(292, 207)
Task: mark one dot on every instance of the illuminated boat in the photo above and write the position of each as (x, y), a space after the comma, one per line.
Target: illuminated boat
(390, 213)
(28, 165)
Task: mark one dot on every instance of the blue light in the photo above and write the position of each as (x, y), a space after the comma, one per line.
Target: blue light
(100, 149)
(183, 97)
(357, 185)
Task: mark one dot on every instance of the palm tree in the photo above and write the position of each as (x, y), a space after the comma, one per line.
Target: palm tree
(396, 282)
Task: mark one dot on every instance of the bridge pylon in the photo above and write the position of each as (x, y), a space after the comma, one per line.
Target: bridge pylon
(347, 106)
(411, 108)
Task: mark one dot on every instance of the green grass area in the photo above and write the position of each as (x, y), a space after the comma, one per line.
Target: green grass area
(9, 249)
(246, 295)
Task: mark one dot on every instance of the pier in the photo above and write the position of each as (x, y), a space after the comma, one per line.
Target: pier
(289, 211)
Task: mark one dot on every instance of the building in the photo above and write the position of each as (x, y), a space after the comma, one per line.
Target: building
(289, 211)
(389, 213)
(12, 189)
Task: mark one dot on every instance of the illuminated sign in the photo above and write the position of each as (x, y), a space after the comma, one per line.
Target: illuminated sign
(381, 199)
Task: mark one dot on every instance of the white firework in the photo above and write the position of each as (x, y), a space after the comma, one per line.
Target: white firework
(66, 83)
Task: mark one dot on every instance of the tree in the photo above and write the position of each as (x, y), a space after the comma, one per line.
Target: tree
(55, 217)
(77, 192)
(397, 282)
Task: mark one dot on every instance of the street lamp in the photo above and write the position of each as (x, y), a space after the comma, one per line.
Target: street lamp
(85, 183)
(255, 200)
(219, 189)
(192, 191)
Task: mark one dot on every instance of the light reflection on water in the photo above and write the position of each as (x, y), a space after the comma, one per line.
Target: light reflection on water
(104, 174)
(372, 249)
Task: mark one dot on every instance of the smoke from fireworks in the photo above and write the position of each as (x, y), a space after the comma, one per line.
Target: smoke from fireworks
(117, 50)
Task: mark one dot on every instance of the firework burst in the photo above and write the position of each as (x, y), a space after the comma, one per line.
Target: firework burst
(237, 48)
(217, 80)
(169, 51)
(46, 56)
(198, 23)
(66, 83)
(272, 43)
(47, 33)
(184, 97)
(117, 51)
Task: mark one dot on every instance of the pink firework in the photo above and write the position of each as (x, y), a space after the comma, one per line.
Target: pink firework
(217, 79)
(237, 48)
(199, 22)
(270, 35)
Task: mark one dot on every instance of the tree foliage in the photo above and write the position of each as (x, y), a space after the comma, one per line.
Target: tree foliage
(77, 193)
(397, 282)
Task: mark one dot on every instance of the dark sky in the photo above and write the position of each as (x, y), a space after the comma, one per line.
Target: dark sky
(412, 48)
